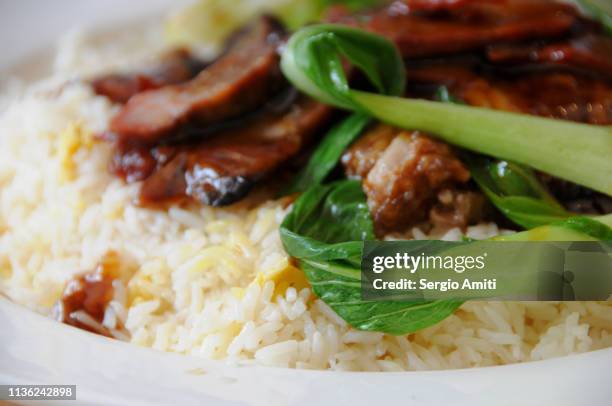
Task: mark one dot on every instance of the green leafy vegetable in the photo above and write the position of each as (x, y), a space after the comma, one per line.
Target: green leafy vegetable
(516, 192)
(312, 61)
(325, 232)
(328, 152)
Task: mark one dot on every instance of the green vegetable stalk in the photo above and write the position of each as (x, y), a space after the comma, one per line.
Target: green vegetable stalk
(571, 229)
(514, 189)
(312, 61)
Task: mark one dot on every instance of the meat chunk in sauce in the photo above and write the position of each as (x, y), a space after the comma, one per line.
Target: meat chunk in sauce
(442, 29)
(238, 82)
(221, 170)
(458, 208)
(402, 174)
(86, 297)
(174, 67)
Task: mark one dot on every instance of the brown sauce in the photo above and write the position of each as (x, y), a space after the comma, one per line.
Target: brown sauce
(89, 293)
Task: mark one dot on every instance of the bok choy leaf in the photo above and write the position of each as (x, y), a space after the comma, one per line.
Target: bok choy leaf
(312, 61)
(325, 232)
(329, 151)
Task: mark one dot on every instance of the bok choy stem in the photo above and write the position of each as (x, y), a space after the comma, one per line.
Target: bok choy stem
(572, 229)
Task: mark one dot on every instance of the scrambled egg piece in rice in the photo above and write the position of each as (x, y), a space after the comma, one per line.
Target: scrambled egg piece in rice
(71, 139)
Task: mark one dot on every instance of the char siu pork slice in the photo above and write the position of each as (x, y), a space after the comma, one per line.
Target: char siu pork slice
(590, 52)
(221, 170)
(403, 175)
(554, 94)
(134, 163)
(238, 82)
(448, 27)
(175, 67)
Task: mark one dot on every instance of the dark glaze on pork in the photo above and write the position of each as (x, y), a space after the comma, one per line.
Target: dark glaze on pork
(221, 170)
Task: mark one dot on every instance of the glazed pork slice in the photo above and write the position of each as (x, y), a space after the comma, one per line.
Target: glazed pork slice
(222, 170)
(448, 27)
(547, 93)
(176, 66)
(589, 52)
(238, 82)
(403, 174)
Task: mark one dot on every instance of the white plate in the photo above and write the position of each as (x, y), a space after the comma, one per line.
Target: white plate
(34, 349)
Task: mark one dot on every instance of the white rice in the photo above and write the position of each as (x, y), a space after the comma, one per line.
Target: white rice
(213, 282)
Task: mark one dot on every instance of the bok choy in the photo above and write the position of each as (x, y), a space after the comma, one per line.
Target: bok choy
(325, 232)
(313, 62)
